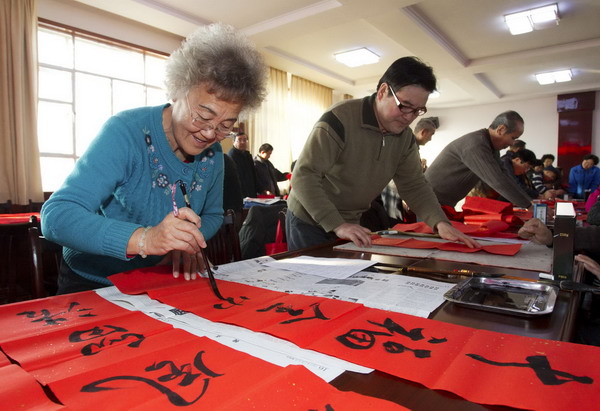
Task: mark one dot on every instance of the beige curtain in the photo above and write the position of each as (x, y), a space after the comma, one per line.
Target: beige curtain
(269, 123)
(20, 177)
(308, 102)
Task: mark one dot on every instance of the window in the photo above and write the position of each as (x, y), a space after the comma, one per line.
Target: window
(83, 80)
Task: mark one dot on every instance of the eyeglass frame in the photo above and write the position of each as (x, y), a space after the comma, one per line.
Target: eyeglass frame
(404, 109)
(206, 125)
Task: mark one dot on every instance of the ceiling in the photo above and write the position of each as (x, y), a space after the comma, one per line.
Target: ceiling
(474, 56)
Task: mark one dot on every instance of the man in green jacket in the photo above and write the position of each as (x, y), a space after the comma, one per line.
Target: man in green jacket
(353, 151)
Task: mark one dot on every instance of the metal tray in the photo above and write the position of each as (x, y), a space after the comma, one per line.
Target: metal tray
(504, 296)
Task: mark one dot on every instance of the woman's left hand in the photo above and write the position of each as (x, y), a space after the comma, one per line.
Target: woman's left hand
(447, 232)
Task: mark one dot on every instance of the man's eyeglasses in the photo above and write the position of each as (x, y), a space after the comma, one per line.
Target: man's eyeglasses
(419, 111)
(221, 131)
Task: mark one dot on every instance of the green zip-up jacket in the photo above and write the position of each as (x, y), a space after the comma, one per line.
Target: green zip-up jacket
(347, 161)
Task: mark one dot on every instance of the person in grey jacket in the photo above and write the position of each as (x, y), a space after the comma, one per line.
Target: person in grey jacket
(353, 151)
(474, 157)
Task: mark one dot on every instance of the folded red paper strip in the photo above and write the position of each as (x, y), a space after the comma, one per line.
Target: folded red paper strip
(481, 366)
(478, 210)
(488, 228)
(93, 355)
(502, 249)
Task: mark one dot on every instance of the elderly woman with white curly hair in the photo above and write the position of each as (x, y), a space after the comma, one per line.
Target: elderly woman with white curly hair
(124, 200)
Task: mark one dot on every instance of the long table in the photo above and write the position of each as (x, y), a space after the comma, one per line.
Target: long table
(559, 325)
(556, 326)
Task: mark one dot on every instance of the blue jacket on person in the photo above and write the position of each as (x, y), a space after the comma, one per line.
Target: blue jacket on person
(581, 179)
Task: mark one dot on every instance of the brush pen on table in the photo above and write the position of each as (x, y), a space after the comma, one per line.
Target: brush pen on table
(391, 268)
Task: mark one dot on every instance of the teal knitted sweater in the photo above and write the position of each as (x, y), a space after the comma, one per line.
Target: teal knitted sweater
(123, 182)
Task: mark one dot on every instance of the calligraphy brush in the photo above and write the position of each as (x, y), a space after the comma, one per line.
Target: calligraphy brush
(211, 276)
(573, 286)
(423, 270)
(411, 234)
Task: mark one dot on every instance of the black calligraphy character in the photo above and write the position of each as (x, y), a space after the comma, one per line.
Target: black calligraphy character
(397, 348)
(45, 316)
(279, 308)
(184, 372)
(98, 332)
(57, 318)
(541, 366)
(232, 303)
(178, 311)
(416, 334)
(74, 304)
(359, 339)
(328, 407)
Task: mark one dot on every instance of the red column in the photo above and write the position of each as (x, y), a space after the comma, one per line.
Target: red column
(575, 121)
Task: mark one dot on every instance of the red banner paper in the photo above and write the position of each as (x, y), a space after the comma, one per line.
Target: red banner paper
(30, 318)
(484, 226)
(502, 249)
(4, 360)
(93, 340)
(201, 374)
(482, 205)
(20, 391)
(519, 372)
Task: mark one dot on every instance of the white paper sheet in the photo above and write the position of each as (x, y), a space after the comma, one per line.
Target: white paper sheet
(259, 345)
(321, 266)
(391, 292)
(532, 257)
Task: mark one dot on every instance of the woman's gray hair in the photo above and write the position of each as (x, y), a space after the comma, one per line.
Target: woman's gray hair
(221, 58)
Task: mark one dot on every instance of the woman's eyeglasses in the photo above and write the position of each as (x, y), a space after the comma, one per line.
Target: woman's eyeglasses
(221, 131)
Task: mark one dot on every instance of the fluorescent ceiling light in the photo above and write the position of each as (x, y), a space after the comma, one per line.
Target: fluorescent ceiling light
(518, 23)
(435, 94)
(533, 19)
(562, 76)
(358, 57)
(554, 77)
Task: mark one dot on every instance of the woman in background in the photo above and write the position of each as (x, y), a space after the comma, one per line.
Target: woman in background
(120, 203)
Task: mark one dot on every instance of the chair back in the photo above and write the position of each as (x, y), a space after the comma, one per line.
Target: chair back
(259, 229)
(45, 263)
(11, 208)
(281, 217)
(5, 208)
(224, 246)
(14, 261)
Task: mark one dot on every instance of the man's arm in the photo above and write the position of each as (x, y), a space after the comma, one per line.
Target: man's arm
(318, 156)
(416, 191)
(486, 166)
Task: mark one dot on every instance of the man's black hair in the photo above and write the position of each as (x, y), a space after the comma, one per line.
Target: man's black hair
(526, 156)
(592, 157)
(409, 71)
(265, 147)
(545, 156)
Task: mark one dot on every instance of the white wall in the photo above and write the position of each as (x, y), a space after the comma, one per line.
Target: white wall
(541, 124)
